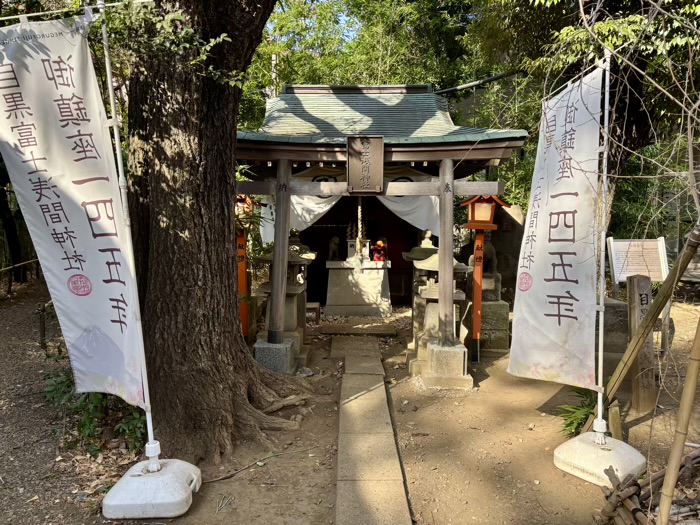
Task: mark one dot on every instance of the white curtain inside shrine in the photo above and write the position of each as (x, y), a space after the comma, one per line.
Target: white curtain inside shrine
(420, 211)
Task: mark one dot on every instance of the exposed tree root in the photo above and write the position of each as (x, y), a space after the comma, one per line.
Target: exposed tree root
(287, 402)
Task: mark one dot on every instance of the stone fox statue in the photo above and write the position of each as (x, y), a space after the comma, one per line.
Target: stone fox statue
(333, 249)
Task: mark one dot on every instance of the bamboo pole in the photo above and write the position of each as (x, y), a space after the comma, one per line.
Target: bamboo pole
(684, 413)
(647, 324)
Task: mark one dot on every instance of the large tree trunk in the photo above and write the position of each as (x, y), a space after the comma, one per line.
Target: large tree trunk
(204, 383)
(9, 225)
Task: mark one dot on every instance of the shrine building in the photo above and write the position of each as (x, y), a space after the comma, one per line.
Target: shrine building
(349, 166)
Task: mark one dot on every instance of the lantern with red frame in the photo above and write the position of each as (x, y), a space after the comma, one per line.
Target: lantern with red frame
(482, 210)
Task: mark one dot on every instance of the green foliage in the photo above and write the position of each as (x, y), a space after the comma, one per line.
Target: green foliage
(133, 428)
(575, 416)
(168, 33)
(90, 412)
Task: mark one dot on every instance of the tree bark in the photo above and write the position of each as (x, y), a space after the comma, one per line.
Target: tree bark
(206, 389)
(14, 244)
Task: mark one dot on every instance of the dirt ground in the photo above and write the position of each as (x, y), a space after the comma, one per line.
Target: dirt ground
(479, 457)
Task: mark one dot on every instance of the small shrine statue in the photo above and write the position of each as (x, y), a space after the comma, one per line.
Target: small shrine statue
(379, 250)
(333, 249)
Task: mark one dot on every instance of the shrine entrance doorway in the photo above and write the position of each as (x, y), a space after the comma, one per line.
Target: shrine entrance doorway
(378, 221)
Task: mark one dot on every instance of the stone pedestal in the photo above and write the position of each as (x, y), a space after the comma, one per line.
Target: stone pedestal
(293, 310)
(277, 357)
(294, 321)
(422, 252)
(426, 314)
(495, 320)
(428, 329)
(358, 288)
(418, 304)
(447, 366)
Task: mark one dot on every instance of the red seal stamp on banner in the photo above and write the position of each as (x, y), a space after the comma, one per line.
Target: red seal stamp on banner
(79, 285)
(524, 282)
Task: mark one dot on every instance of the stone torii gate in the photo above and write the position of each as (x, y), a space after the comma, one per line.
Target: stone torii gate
(366, 128)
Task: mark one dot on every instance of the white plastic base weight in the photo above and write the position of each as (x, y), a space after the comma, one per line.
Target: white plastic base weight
(163, 494)
(583, 458)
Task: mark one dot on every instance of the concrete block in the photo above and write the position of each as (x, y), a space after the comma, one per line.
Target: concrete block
(277, 357)
(490, 286)
(371, 503)
(360, 387)
(446, 360)
(494, 315)
(364, 416)
(495, 339)
(291, 310)
(368, 457)
(358, 289)
(295, 336)
(422, 345)
(358, 364)
(302, 358)
(343, 346)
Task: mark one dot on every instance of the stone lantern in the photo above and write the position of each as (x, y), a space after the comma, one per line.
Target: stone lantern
(298, 258)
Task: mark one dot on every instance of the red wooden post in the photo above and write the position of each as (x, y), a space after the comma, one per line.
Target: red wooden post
(476, 296)
(242, 280)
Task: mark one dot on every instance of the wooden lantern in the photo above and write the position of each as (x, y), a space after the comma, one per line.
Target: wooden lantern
(482, 210)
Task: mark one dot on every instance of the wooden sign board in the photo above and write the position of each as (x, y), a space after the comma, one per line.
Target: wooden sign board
(366, 164)
(637, 257)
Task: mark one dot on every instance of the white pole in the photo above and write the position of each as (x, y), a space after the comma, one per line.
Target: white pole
(599, 425)
(153, 446)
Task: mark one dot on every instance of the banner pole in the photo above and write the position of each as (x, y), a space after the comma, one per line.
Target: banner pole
(599, 425)
(152, 446)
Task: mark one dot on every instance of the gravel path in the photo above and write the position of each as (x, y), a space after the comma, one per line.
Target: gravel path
(32, 483)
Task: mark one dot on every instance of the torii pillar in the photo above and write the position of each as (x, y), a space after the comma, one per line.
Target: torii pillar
(447, 357)
(277, 353)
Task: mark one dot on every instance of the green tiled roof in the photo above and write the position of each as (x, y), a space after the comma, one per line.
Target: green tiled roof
(402, 118)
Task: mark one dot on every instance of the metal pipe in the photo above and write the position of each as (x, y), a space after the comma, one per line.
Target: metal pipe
(152, 447)
(476, 83)
(599, 425)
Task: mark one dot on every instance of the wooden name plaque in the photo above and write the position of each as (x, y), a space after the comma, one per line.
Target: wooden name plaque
(366, 164)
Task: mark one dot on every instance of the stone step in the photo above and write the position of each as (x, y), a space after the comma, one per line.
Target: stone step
(358, 364)
(365, 416)
(371, 503)
(375, 329)
(368, 457)
(360, 387)
(343, 345)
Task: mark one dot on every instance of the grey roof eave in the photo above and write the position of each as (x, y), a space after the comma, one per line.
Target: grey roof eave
(452, 138)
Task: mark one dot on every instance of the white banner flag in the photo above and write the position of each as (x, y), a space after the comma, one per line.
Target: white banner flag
(555, 303)
(54, 138)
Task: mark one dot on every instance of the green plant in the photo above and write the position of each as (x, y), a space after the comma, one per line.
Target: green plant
(133, 428)
(575, 416)
(90, 412)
